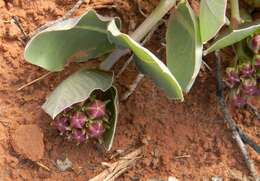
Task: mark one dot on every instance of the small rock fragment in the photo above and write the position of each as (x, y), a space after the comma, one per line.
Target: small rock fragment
(155, 179)
(63, 165)
(236, 174)
(172, 179)
(217, 178)
(27, 141)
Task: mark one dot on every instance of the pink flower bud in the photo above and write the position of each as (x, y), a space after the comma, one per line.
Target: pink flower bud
(78, 120)
(96, 109)
(239, 101)
(255, 43)
(96, 129)
(61, 124)
(79, 136)
(250, 87)
(257, 61)
(247, 70)
(232, 77)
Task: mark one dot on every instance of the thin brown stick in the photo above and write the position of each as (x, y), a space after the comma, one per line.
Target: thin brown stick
(231, 123)
(182, 156)
(66, 16)
(133, 86)
(254, 110)
(34, 81)
(140, 9)
(20, 26)
(119, 167)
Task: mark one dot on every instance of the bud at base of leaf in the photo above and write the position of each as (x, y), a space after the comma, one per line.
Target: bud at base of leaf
(239, 101)
(78, 120)
(96, 109)
(79, 136)
(232, 77)
(61, 124)
(255, 43)
(249, 87)
(96, 130)
(247, 70)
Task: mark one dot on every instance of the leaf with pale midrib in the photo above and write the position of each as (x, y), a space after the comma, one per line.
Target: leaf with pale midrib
(230, 37)
(211, 18)
(183, 46)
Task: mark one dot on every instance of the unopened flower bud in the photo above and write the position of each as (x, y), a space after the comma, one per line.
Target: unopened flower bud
(61, 123)
(96, 109)
(79, 136)
(232, 77)
(255, 43)
(78, 120)
(250, 87)
(239, 101)
(96, 129)
(247, 70)
(257, 61)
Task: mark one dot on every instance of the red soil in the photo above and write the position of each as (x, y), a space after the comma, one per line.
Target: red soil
(193, 129)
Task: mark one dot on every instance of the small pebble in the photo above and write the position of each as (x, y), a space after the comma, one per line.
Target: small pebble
(63, 165)
(216, 178)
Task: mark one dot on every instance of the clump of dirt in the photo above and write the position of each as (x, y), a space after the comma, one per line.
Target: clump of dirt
(27, 140)
(186, 140)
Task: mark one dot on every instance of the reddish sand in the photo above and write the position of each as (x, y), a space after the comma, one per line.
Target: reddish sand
(187, 140)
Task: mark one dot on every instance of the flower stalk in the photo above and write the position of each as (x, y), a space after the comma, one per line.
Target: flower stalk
(235, 14)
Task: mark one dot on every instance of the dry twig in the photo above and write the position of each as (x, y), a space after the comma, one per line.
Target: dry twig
(17, 22)
(119, 167)
(254, 110)
(247, 140)
(231, 123)
(133, 86)
(34, 81)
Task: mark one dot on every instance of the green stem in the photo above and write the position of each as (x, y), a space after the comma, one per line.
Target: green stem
(235, 15)
(163, 7)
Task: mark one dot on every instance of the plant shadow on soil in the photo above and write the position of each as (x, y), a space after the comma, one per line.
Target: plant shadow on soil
(193, 129)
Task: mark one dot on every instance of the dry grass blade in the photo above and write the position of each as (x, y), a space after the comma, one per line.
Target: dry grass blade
(119, 167)
(33, 81)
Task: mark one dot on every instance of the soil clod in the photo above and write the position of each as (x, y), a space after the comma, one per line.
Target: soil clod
(27, 141)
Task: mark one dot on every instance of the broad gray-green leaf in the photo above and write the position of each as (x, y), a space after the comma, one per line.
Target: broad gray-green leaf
(109, 135)
(183, 46)
(83, 37)
(76, 88)
(147, 63)
(233, 36)
(211, 18)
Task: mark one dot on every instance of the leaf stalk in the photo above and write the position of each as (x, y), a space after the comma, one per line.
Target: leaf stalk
(161, 10)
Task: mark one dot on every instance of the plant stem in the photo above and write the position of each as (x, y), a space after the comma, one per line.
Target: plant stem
(163, 7)
(235, 15)
(231, 123)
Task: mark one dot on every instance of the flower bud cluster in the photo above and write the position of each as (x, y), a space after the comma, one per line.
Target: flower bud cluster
(244, 78)
(83, 121)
